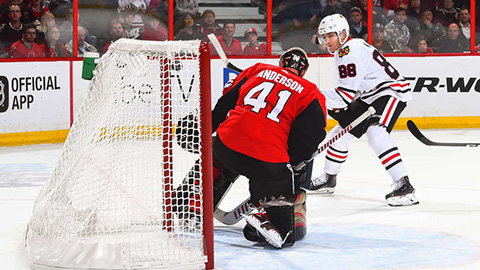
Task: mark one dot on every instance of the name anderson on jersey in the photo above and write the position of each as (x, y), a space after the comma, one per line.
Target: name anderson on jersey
(279, 78)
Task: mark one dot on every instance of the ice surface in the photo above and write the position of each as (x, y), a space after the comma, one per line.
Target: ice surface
(351, 229)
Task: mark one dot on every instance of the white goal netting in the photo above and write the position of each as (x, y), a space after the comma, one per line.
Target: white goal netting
(112, 201)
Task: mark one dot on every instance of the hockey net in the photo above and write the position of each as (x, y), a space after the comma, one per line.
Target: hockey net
(110, 201)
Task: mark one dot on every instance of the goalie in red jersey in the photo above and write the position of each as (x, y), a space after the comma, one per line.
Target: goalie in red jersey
(268, 120)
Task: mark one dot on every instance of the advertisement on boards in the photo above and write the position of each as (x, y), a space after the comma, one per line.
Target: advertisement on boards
(34, 96)
(441, 86)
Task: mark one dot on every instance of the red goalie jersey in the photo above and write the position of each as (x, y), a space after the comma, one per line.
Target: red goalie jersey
(271, 114)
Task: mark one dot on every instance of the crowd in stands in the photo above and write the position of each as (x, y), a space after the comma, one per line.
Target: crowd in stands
(44, 28)
(399, 26)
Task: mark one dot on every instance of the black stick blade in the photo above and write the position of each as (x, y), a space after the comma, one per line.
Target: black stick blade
(416, 132)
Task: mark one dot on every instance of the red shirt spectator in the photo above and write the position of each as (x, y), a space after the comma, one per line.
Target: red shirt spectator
(229, 44)
(260, 50)
(153, 30)
(232, 48)
(35, 11)
(26, 47)
(254, 47)
(52, 47)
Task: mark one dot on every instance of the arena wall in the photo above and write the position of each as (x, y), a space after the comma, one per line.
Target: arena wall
(39, 100)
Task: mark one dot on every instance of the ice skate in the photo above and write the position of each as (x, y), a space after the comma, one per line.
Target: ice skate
(264, 227)
(323, 184)
(403, 195)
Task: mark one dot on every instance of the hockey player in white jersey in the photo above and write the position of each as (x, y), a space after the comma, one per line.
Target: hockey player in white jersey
(365, 78)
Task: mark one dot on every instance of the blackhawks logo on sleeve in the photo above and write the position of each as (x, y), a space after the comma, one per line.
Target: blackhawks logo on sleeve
(343, 52)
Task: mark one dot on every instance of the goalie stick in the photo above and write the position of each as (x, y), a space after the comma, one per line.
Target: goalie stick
(235, 215)
(214, 41)
(416, 132)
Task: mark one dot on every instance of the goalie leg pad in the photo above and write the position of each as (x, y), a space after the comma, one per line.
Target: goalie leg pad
(300, 216)
(282, 215)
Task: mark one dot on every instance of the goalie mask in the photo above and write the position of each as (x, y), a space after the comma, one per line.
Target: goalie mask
(295, 58)
(335, 23)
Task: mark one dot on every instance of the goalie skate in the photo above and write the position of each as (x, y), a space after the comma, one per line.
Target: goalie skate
(324, 184)
(403, 195)
(260, 222)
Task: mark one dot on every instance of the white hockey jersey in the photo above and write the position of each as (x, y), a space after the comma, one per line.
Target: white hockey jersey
(363, 69)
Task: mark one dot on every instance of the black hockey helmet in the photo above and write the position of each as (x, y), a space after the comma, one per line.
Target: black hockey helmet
(295, 58)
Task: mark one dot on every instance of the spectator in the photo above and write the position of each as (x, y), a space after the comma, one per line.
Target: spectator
(26, 47)
(116, 32)
(133, 29)
(297, 23)
(434, 32)
(83, 46)
(464, 21)
(378, 40)
(133, 5)
(35, 11)
(153, 29)
(420, 46)
(454, 42)
(333, 7)
(46, 21)
(397, 32)
(188, 6)
(253, 47)
(448, 14)
(190, 30)
(209, 24)
(378, 13)
(52, 48)
(11, 32)
(162, 12)
(4, 9)
(358, 26)
(392, 5)
(229, 44)
(414, 11)
(64, 18)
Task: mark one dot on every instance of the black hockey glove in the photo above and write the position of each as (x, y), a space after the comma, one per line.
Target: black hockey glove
(347, 115)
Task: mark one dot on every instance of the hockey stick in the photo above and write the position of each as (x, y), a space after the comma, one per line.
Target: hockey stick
(213, 39)
(235, 215)
(324, 146)
(416, 132)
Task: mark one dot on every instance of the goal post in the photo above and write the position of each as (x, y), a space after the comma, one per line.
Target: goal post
(132, 188)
